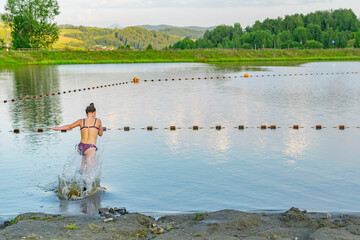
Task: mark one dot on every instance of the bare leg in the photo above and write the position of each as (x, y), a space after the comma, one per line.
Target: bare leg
(89, 161)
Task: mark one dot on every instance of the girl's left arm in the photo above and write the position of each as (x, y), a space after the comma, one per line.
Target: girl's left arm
(66, 127)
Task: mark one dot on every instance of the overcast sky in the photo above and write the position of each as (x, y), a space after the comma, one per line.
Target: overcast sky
(103, 13)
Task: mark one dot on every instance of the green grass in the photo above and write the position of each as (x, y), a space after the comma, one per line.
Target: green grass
(71, 227)
(45, 57)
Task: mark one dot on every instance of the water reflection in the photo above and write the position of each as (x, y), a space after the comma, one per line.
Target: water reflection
(89, 205)
(254, 66)
(40, 112)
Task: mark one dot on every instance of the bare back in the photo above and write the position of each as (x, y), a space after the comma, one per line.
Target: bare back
(90, 128)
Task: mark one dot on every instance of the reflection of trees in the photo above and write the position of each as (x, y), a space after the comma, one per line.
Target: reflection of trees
(254, 66)
(39, 112)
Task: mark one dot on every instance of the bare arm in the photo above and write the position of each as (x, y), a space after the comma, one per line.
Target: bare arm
(100, 133)
(67, 127)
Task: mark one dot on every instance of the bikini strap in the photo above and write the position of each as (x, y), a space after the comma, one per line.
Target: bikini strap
(95, 122)
(83, 124)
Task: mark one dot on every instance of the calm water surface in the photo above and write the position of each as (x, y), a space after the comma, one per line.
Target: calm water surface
(177, 171)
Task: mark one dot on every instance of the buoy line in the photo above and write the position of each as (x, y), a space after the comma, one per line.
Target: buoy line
(196, 128)
(137, 80)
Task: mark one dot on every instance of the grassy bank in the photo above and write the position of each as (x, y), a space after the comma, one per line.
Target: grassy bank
(154, 56)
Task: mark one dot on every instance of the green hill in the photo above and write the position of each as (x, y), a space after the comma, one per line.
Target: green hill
(80, 37)
(135, 37)
(182, 32)
(192, 32)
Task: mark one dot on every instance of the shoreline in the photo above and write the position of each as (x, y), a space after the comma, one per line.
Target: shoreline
(223, 224)
(47, 57)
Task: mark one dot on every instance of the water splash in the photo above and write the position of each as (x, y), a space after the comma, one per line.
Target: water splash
(80, 177)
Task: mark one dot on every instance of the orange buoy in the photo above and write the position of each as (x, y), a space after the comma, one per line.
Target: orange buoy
(149, 128)
(296, 127)
(272, 127)
(263, 127)
(342, 127)
(246, 75)
(136, 80)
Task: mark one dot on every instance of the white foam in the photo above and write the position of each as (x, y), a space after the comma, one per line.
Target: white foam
(77, 181)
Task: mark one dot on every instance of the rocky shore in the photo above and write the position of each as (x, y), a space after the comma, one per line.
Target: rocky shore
(224, 224)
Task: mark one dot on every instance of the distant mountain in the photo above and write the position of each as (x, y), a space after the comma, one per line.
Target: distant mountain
(194, 32)
(154, 27)
(115, 26)
(182, 32)
(163, 26)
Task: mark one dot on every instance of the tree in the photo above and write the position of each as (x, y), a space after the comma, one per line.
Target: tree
(314, 44)
(357, 40)
(31, 22)
(149, 47)
(301, 34)
(314, 31)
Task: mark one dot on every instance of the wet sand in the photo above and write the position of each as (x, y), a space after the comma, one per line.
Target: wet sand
(224, 224)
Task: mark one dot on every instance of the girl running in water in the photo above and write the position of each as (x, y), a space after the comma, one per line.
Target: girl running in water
(90, 128)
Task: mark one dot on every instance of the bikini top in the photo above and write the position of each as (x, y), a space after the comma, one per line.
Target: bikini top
(89, 126)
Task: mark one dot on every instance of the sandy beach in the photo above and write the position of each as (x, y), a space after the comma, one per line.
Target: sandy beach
(224, 224)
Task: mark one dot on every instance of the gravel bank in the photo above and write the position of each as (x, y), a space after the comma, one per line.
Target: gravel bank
(224, 224)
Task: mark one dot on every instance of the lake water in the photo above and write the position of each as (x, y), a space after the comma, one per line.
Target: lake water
(164, 171)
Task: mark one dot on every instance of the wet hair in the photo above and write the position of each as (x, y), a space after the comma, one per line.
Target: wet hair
(91, 108)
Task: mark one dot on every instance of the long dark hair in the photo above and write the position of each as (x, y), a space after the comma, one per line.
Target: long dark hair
(91, 108)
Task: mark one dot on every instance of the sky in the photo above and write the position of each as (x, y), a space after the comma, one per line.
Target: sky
(103, 13)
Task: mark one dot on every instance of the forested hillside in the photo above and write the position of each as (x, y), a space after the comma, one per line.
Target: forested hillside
(193, 32)
(321, 29)
(80, 37)
(134, 37)
(182, 32)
